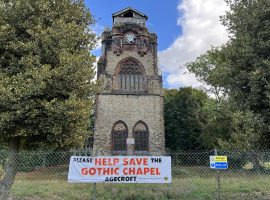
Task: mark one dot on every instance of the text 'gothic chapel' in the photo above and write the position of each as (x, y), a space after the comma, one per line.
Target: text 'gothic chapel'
(129, 111)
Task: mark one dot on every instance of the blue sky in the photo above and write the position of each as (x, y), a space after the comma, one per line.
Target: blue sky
(162, 16)
(185, 29)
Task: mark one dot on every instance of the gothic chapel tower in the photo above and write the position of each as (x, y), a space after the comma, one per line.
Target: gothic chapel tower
(129, 111)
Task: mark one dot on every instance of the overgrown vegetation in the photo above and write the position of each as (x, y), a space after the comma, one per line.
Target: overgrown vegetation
(239, 70)
(238, 74)
(46, 72)
(189, 187)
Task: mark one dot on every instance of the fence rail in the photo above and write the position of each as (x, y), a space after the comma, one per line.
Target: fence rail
(43, 175)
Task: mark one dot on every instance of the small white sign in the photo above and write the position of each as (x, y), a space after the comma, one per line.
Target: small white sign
(130, 141)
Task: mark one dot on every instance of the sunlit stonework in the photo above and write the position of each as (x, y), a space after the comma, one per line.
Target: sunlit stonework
(131, 104)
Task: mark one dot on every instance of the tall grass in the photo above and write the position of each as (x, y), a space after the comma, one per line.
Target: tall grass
(181, 188)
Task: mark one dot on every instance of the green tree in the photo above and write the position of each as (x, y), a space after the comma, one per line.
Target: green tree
(184, 119)
(46, 92)
(217, 124)
(240, 69)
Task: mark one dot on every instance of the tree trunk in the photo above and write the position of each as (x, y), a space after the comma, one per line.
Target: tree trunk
(11, 168)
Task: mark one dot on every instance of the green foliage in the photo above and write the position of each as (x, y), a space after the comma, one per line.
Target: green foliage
(247, 128)
(209, 68)
(184, 118)
(46, 92)
(39, 160)
(239, 70)
(193, 120)
(217, 124)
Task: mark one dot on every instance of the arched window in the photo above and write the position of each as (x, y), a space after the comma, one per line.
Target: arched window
(119, 137)
(141, 136)
(131, 76)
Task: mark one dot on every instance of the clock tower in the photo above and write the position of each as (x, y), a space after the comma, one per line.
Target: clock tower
(129, 110)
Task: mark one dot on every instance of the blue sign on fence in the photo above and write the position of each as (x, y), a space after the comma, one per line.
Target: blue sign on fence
(218, 162)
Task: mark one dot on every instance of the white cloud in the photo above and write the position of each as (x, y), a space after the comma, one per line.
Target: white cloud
(98, 45)
(98, 29)
(201, 29)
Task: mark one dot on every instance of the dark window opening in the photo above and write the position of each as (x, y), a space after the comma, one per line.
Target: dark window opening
(119, 138)
(141, 137)
(128, 14)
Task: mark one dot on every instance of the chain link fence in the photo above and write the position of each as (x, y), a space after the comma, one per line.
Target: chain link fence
(43, 175)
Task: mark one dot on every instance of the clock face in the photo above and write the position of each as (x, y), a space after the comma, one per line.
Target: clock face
(130, 37)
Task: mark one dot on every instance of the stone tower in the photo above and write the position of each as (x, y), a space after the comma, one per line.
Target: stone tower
(129, 111)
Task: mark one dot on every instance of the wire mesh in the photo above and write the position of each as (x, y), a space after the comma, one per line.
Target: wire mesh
(43, 175)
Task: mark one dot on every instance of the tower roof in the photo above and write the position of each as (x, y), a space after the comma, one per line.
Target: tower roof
(126, 10)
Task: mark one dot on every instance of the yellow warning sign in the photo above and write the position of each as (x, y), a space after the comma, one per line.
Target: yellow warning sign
(218, 159)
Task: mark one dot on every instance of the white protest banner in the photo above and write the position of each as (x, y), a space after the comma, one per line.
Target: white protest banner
(120, 169)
